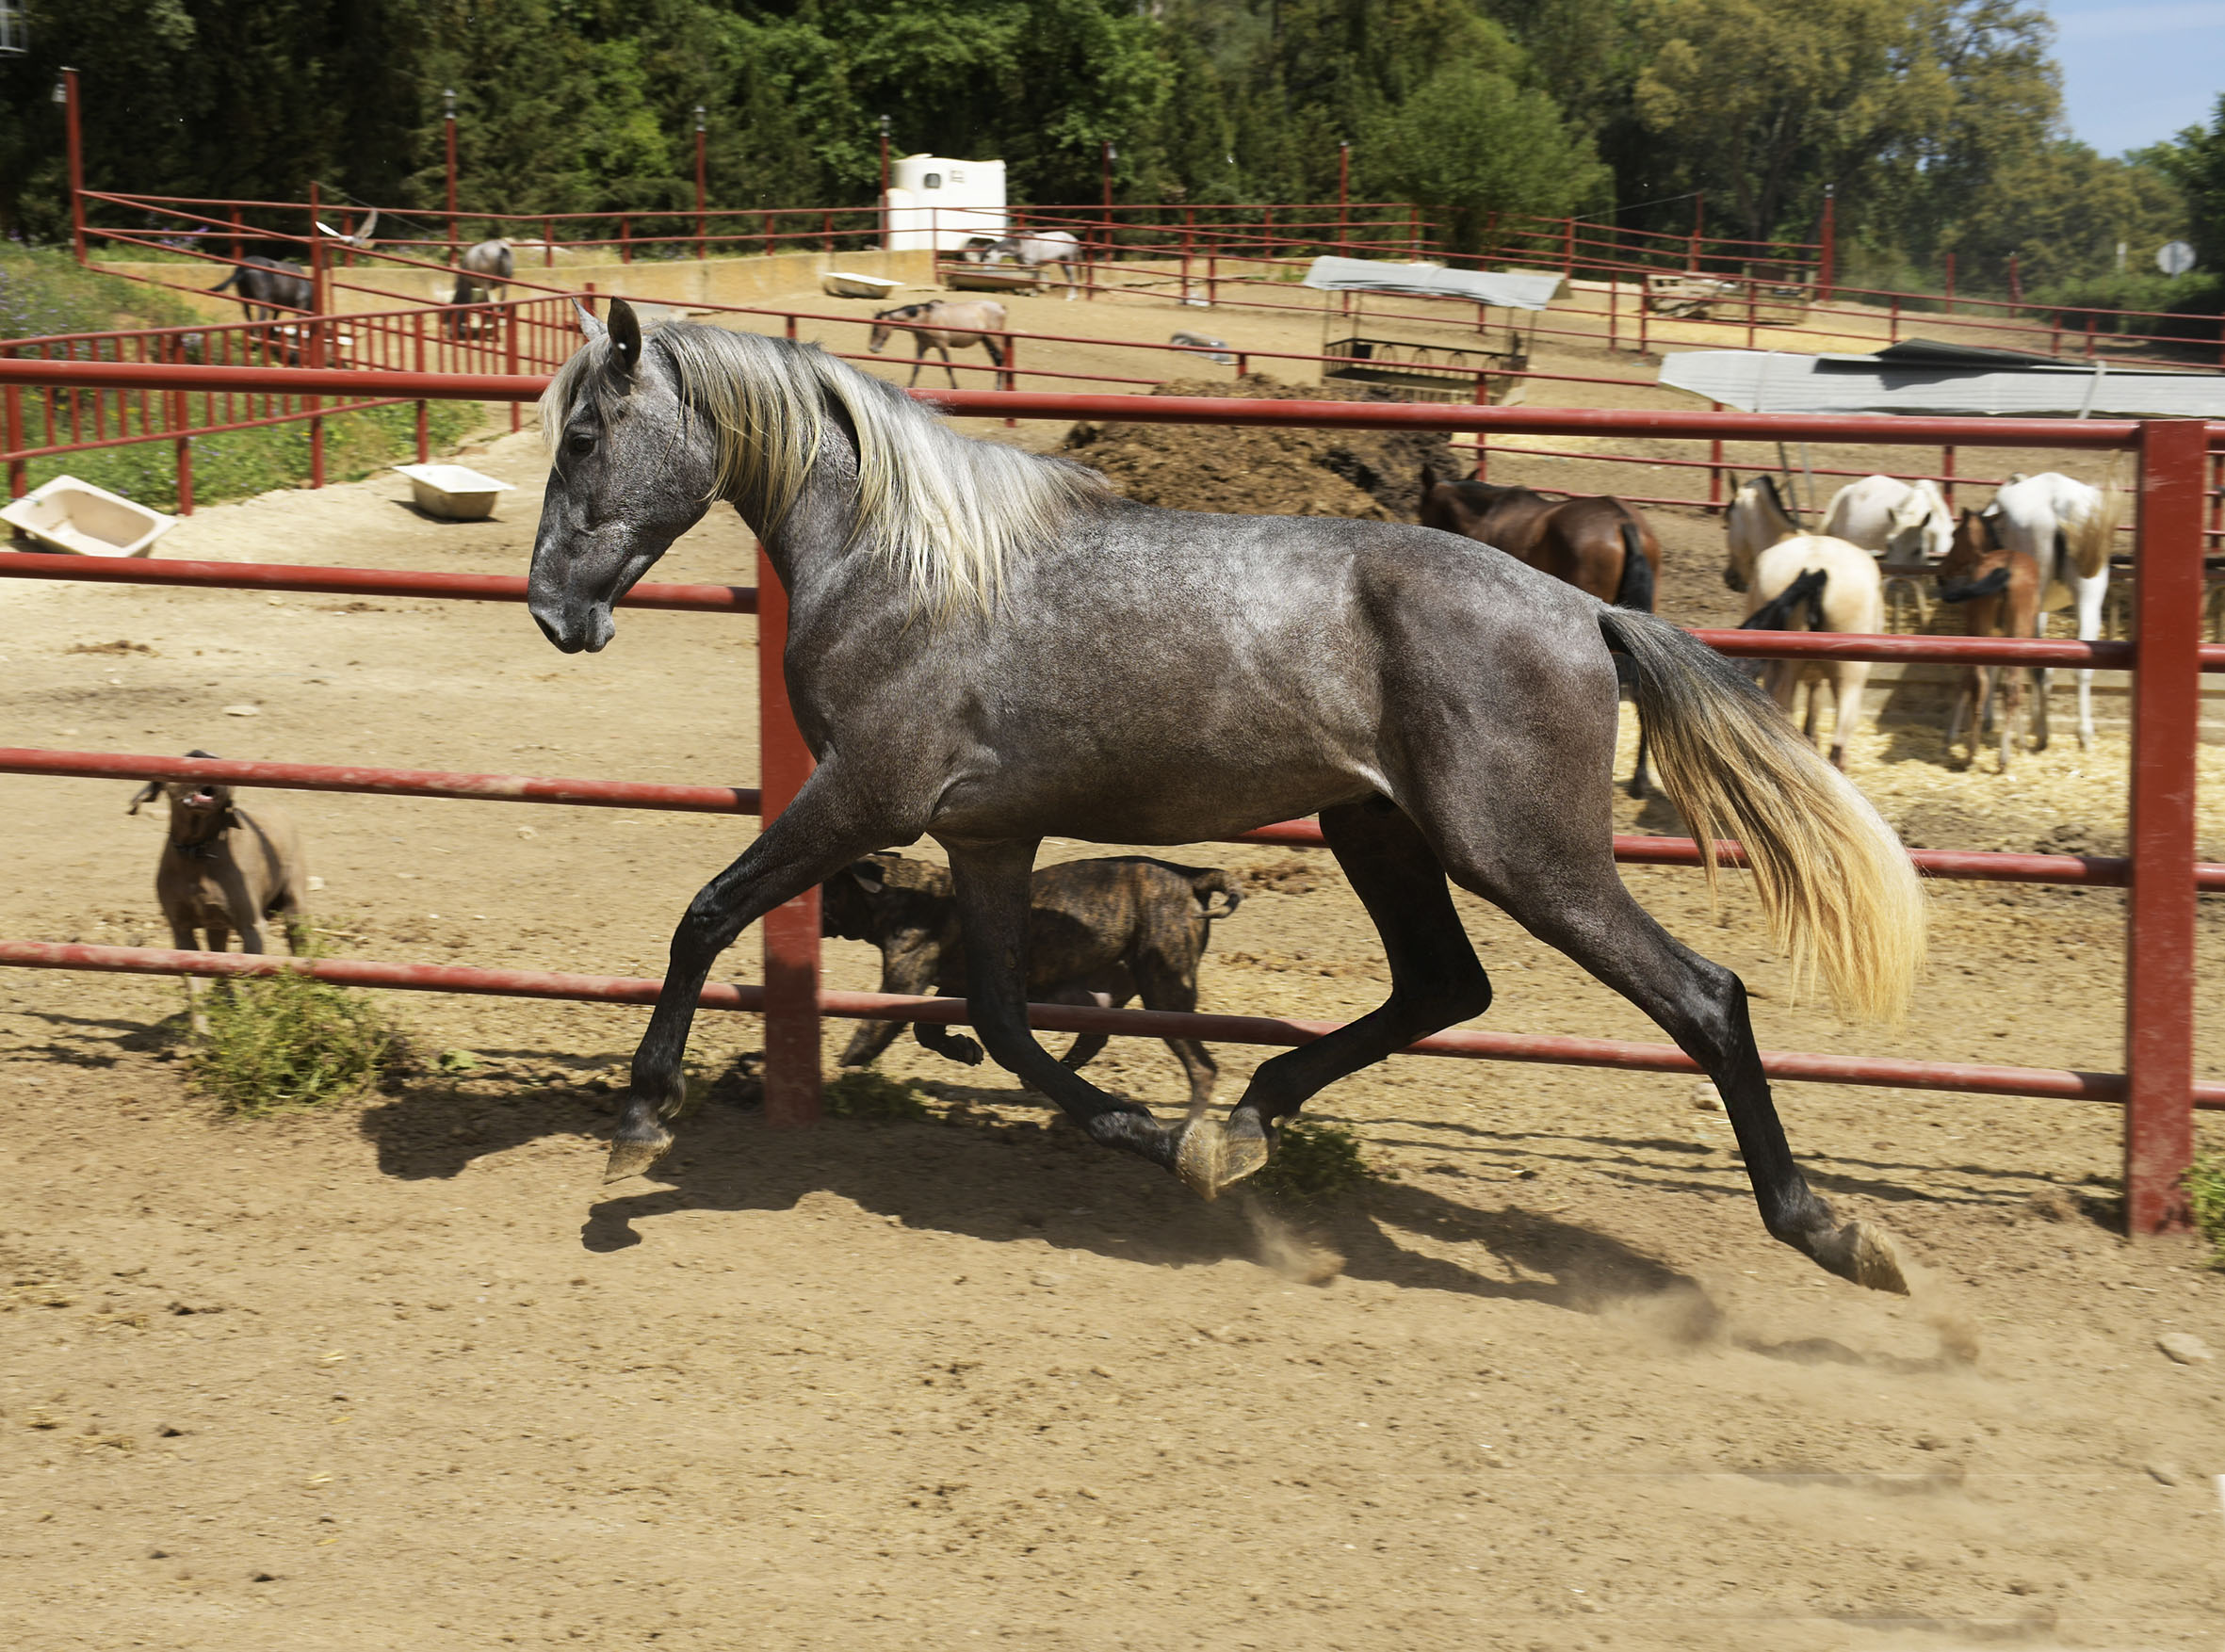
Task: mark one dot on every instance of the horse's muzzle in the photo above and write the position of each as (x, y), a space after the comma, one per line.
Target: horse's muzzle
(589, 630)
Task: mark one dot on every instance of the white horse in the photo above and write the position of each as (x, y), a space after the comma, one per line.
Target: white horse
(939, 324)
(2066, 528)
(1768, 551)
(1903, 522)
(1037, 248)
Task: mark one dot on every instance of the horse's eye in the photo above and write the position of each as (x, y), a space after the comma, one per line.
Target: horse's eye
(578, 446)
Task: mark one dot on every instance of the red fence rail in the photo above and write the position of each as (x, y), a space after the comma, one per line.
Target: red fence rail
(2157, 1088)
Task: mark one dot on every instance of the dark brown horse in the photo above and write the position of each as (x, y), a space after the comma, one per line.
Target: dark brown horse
(1597, 543)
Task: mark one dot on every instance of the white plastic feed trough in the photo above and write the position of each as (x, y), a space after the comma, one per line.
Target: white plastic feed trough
(842, 285)
(69, 515)
(454, 490)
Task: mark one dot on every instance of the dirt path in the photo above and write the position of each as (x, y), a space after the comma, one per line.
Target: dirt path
(404, 1374)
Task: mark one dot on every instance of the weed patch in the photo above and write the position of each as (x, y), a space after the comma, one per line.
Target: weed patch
(1312, 1163)
(867, 1094)
(290, 1041)
(2205, 1188)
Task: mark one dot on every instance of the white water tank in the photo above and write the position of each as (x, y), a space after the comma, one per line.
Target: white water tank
(939, 203)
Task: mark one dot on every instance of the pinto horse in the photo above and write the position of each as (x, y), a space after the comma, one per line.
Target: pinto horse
(1768, 555)
(1597, 543)
(937, 325)
(989, 647)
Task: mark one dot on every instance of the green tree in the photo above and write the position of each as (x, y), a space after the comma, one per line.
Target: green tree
(1472, 142)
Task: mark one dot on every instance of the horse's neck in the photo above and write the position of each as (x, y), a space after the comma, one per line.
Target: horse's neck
(822, 523)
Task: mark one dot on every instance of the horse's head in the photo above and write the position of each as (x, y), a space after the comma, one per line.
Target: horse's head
(1920, 528)
(1973, 540)
(634, 469)
(878, 340)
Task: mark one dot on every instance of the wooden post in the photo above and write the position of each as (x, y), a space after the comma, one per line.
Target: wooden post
(1947, 472)
(2160, 904)
(791, 930)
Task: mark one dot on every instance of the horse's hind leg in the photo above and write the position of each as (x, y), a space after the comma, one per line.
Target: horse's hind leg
(992, 883)
(1435, 977)
(1567, 895)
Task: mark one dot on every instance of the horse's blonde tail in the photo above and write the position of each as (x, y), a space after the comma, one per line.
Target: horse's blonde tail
(1842, 897)
(2091, 539)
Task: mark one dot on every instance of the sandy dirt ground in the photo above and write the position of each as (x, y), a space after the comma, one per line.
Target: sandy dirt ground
(404, 1373)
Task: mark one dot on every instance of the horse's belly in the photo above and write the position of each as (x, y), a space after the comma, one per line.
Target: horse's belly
(1179, 801)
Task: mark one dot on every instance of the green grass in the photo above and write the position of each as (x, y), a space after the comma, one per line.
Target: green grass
(867, 1094)
(44, 290)
(289, 1041)
(240, 464)
(1313, 1163)
(2205, 1188)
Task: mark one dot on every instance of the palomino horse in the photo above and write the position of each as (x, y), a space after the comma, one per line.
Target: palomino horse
(938, 324)
(988, 646)
(2001, 589)
(1902, 521)
(1768, 552)
(2066, 528)
(1037, 248)
(1597, 544)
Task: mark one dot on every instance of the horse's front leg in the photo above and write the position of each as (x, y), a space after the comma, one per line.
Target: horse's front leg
(992, 884)
(820, 832)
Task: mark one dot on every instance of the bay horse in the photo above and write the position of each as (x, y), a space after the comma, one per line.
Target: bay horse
(2000, 590)
(938, 324)
(1768, 552)
(989, 646)
(2066, 528)
(1595, 542)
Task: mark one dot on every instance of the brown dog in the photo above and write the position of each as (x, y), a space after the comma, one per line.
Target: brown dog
(225, 867)
(1101, 932)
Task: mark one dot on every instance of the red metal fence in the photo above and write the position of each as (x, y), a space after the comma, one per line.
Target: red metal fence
(2157, 1088)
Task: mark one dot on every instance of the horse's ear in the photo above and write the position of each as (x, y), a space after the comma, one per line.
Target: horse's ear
(625, 337)
(589, 326)
(870, 876)
(146, 794)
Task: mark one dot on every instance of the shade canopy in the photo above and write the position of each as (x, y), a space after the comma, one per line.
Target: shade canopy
(1507, 289)
(1925, 375)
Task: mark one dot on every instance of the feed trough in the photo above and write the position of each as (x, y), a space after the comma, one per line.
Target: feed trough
(842, 285)
(454, 492)
(991, 277)
(69, 515)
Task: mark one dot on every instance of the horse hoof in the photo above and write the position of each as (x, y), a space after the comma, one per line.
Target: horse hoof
(1209, 1160)
(1864, 1252)
(630, 1158)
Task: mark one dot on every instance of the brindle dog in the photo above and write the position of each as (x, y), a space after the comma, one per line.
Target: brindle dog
(1099, 931)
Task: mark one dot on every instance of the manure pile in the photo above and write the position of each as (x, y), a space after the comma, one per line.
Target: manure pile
(1371, 473)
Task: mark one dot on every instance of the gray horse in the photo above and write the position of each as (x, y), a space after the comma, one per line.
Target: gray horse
(989, 647)
(268, 284)
(485, 272)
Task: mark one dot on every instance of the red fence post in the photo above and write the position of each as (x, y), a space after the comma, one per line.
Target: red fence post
(11, 410)
(2160, 906)
(791, 930)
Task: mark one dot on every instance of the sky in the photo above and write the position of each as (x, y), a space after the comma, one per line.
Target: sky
(2134, 74)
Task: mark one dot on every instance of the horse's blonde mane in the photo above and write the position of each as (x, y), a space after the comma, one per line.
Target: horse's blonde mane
(945, 512)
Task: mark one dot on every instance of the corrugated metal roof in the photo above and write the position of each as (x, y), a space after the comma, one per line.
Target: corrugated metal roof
(1508, 289)
(1925, 375)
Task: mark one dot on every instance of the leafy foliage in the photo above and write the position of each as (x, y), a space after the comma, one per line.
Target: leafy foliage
(1938, 123)
(1314, 1163)
(867, 1094)
(289, 1041)
(2205, 1188)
